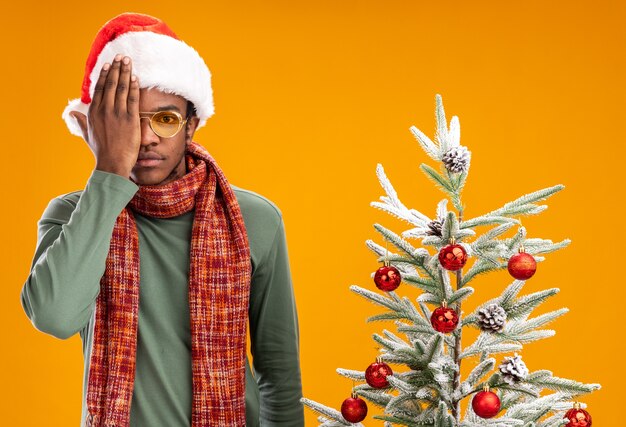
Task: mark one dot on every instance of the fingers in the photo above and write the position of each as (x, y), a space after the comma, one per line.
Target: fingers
(117, 89)
(123, 85)
(97, 93)
(133, 96)
(110, 85)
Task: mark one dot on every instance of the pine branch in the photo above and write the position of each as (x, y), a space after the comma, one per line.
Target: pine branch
(406, 265)
(488, 220)
(325, 422)
(450, 227)
(402, 386)
(482, 369)
(524, 305)
(534, 409)
(427, 145)
(433, 349)
(329, 413)
(480, 266)
(443, 418)
(491, 235)
(473, 420)
(525, 326)
(392, 204)
(403, 403)
(460, 295)
(445, 287)
(388, 316)
(425, 284)
(507, 299)
(377, 298)
(457, 182)
(379, 399)
(556, 420)
(351, 374)
(545, 246)
(544, 379)
(525, 204)
(402, 421)
(404, 246)
(441, 135)
(439, 181)
(488, 343)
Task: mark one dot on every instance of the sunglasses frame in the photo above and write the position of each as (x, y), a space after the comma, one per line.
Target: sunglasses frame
(150, 115)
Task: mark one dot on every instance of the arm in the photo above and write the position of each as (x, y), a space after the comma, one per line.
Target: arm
(72, 245)
(274, 335)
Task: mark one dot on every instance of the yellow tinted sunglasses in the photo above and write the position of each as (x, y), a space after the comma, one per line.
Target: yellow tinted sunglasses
(165, 124)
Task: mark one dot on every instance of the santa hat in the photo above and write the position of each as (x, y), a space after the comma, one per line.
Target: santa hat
(159, 58)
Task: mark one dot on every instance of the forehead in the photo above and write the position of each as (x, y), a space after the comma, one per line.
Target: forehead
(152, 99)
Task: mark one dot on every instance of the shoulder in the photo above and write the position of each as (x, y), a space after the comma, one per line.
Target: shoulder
(257, 208)
(263, 220)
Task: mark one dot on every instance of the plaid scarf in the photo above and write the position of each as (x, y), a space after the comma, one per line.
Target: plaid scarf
(219, 285)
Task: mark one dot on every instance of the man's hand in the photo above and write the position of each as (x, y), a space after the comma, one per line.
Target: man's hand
(113, 132)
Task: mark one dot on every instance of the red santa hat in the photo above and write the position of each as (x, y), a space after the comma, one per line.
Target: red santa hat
(159, 58)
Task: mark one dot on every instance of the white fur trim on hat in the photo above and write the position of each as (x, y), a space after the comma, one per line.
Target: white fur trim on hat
(160, 62)
(71, 122)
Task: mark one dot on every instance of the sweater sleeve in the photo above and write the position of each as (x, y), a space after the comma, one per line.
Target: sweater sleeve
(275, 338)
(72, 245)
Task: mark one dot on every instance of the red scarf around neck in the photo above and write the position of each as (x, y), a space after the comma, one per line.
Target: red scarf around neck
(219, 289)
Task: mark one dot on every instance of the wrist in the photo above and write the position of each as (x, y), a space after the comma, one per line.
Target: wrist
(116, 169)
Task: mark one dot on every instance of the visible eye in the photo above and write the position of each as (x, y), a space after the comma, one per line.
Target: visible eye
(167, 118)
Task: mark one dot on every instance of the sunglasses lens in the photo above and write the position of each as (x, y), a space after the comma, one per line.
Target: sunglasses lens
(165, 124)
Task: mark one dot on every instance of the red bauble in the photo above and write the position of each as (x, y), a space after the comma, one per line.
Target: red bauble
(354, 409)
(578, 417)
(486, 404)
(376, 374)
(444, 319)
(452, 257)
(522, 266)
(387, 278)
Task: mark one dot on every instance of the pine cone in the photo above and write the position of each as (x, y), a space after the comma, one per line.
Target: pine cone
(492, 318)
(457, 159)
(513, 369)
(434, 227)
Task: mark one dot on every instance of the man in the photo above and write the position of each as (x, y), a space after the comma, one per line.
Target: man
(159, 263)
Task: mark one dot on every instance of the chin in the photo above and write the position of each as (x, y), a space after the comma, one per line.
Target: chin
(149, 177)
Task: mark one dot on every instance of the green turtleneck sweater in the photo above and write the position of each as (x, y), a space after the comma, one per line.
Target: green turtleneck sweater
(60, 292)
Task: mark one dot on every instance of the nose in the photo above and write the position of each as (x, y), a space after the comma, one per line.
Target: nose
(148, 136)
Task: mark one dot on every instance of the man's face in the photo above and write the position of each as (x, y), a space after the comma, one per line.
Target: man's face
(170, 152)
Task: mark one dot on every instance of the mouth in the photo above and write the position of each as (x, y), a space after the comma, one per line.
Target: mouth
(145, 163)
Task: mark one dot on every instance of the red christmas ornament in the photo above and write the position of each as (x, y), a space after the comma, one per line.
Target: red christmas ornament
(376, 374)
(486, 403)
(578, 417)
(354, 409)
(452, 257)
(444, 319)
(387, 278)
(522, 266)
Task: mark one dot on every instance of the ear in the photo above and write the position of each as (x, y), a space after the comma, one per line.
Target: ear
(190, 128)
(82, 122)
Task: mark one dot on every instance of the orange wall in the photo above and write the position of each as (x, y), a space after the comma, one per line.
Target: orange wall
(309, 96)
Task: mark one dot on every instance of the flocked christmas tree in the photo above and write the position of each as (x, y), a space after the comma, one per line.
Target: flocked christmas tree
(424, 387)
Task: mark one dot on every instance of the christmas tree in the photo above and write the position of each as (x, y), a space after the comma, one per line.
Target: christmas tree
(425, 387)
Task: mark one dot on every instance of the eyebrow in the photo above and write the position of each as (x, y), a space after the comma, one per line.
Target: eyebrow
(168, 107)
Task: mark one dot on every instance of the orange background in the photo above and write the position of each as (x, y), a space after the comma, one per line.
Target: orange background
(309, 96)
